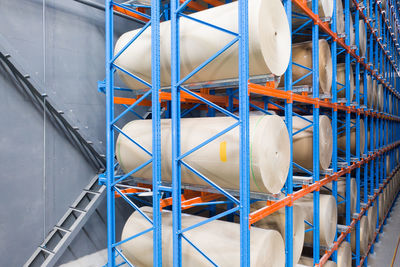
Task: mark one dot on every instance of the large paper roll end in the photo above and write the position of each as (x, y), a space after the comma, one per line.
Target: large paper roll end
(325, 142)
(273, 157)
(275, 36)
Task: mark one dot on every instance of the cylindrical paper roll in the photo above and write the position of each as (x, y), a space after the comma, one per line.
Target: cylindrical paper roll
(342, 138)
(302, 54)
(303, 142)
(362, 37)
(328, 217)
(309, 262)
(276, 221)
(341, 81)
(341, 190)
(364, 235)
(267, 247)
(269, 45)
(344, 255)
(217, 160)
(372, 220)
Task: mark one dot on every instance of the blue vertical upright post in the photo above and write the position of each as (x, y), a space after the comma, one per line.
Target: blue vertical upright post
(110, 134)
(357, 156)
(315, 61)
(334, 110)
(175, 121)
(289, 125)
(348, 103)
(156, 131)
(244, 133)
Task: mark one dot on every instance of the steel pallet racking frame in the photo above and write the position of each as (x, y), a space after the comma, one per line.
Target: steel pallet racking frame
(383, 50)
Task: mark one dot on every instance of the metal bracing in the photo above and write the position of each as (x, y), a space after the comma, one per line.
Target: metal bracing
(250, 93)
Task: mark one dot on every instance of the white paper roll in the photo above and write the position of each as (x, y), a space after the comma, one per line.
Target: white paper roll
(381, 200)
(344, 255)
(364, 235)
(325, 8)
(370, 94)
(303, 142)
(219, 159)
(341, 190)
(219, 240)
(352, 32)
(341, 81)
(328, 217)
(276, 221)
(342, 138)
(306, 261)
(269, 45)
(372, 220)
(375, 94)
(362, 37)
(380, 97)
(340, 25)
(302, 54)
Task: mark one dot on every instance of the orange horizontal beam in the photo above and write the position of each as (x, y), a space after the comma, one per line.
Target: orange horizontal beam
(188, 100)
(189, 197)
(291, 97)
(214, 2)
(132, 14)
(194, 5)
(128, 191)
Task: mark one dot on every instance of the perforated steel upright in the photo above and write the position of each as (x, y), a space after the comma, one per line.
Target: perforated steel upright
(111, 179)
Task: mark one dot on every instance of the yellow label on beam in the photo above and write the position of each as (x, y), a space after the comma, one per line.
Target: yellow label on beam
(222, 151)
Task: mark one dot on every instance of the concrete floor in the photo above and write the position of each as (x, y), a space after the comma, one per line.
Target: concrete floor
(384, 249)
(97, 259)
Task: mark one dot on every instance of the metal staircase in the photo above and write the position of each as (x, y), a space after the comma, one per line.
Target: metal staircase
(61, 236)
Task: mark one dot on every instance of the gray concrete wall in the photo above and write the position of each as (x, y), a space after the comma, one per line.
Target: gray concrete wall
(61, 45)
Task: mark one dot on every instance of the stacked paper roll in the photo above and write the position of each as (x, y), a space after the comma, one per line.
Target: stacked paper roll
(364, 236)
(219, 240)
(217, 160)
(342, 138)
(303, 142)
(328, 217)
(276, 221)
(302, 54)
(269, 45)
(341, 81)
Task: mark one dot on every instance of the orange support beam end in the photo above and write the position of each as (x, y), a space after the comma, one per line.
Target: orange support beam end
(132, 14)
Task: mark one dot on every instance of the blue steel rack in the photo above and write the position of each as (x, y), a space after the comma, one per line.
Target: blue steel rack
(111, 179)
(383, 52)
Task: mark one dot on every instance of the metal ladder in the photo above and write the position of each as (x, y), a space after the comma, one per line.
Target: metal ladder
(61, 236)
